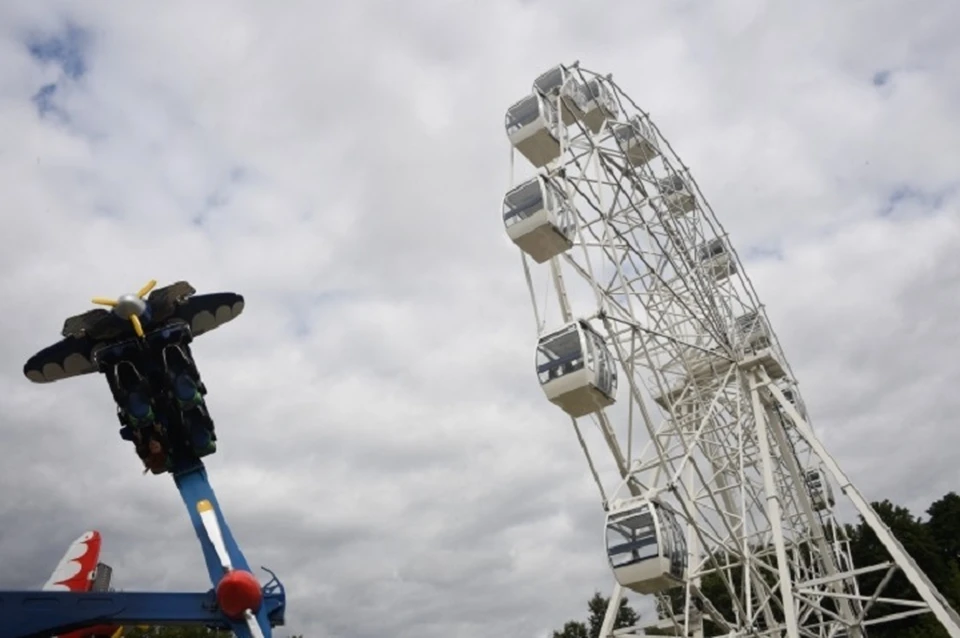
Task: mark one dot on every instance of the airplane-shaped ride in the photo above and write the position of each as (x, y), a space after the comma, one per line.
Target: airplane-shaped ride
(142, 346)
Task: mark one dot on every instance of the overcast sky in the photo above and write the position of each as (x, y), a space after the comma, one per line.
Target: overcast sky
(384, 445)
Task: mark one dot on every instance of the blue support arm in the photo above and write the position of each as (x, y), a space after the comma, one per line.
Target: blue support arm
(195, 487)
(39, 614)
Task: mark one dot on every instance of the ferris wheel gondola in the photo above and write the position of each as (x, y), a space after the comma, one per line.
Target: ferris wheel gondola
(560, 81)
(636, 140)
(535, 129)
(595, 104)
(716, 260)
(539, 219)
(821, 492)
(676, 195)
(752, 331)
(576, 370)
(646, 546)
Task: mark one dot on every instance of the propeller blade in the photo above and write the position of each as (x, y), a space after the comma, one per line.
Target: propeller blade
(118, 633)
(137, 326)
(212, 526)
(253, 625)
(103, 301)
(150, 285)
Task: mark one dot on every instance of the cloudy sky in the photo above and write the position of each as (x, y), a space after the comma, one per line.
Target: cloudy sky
(384, 445)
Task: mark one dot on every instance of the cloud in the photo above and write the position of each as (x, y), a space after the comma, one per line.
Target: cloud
(383, 443)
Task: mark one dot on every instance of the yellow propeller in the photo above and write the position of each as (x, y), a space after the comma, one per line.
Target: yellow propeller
(128, 306)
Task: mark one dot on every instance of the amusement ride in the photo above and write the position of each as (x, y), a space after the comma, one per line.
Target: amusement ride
(142, 345)
(650, 331)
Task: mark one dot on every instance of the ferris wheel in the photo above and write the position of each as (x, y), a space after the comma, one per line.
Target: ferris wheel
(649, 330)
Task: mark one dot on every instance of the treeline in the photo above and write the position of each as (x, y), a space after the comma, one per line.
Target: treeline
(933, 542)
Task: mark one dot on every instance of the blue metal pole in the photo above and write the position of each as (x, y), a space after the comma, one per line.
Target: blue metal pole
(195, 487)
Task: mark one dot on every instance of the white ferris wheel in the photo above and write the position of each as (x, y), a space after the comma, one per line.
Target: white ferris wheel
(650, 330)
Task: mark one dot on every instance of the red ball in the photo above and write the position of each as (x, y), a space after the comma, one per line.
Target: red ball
(237, 592)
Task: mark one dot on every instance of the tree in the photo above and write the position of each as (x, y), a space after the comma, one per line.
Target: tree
(573, 629)
(597, 609)
(944, 525)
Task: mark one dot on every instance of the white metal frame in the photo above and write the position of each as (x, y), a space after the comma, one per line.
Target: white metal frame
(727, 439)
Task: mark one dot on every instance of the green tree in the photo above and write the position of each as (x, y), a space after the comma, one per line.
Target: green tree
(944, 524)
(573, 629)
(596, 610)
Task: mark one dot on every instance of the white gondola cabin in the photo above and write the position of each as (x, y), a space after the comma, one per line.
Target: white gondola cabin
(539, 219)
(716, 259)
(637, 141)
(595, 104)
(754, 339)
(795, 401)
(534, 129)
(752, 332)
(559, 82)
(821, 492)
(646, 546)
(676, 195)
(789, 396)
(576, 370)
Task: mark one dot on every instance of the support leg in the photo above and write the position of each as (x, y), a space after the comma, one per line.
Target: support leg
(947, 616)
(613, 609)
(774, 513)
(827, 558)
